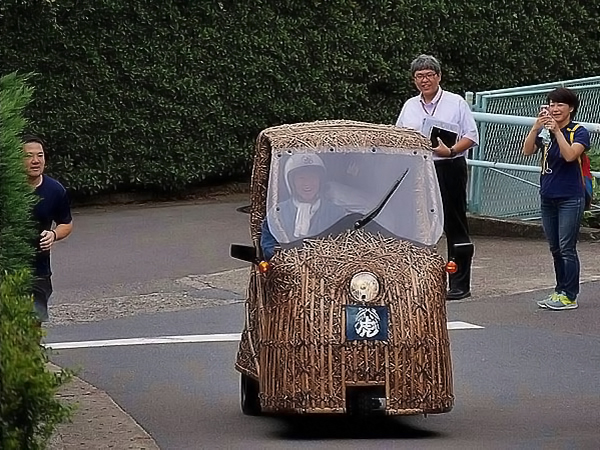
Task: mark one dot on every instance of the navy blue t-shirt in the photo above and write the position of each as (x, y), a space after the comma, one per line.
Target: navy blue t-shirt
(564, 179)
(54, 206)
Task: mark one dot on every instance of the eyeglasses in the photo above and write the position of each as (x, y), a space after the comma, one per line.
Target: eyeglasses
(423, 76)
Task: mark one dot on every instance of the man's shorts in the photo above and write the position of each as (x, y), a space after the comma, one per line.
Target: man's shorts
(42, 290)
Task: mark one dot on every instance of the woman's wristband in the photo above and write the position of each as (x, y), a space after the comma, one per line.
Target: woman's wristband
(54, 233)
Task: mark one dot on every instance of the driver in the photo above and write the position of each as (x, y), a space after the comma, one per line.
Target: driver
(307, 212)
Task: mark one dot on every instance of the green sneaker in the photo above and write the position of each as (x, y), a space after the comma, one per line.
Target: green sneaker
(561, 302)
(552, 297)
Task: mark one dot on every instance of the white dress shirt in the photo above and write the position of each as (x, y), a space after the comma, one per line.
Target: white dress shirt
(445, 106)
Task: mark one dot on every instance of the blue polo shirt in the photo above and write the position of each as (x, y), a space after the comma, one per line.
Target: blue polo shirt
(564, 179)
(54, 206)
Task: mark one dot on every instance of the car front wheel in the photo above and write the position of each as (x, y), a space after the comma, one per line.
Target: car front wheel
(249, 396)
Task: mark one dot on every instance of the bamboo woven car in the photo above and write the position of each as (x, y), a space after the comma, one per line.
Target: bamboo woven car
(295, 355)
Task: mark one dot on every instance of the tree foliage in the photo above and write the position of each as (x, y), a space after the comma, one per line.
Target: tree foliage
(139, 94)
(29, 409)
(16, 198)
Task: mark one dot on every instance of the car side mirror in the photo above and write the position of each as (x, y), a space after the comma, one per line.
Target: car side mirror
(243, 253)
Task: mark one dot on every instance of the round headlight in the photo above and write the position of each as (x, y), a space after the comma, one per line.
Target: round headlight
(364, 286)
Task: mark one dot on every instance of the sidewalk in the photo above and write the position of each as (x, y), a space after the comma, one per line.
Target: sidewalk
(502, 266)
(98, 423)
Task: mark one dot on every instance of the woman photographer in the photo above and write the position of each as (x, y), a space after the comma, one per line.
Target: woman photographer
(562, 191)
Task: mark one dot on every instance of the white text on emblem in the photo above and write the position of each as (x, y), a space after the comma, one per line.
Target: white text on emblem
(367, 322)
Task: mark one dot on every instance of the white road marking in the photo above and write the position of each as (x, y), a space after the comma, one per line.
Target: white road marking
(462, 326)
(187, 339)
(146, 341)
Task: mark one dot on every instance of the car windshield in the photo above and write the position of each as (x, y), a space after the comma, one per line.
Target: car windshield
(310, 192)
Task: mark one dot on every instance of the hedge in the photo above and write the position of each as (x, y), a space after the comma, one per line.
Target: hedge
(162, 95)
(29, 409)
(16, 197)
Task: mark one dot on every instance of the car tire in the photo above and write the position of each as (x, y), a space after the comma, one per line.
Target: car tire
(249, 396)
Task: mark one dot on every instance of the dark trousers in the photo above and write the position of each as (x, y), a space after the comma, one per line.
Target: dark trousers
(42, 290)
(452, 177)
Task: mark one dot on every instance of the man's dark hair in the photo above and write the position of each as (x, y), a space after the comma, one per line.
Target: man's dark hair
(567, 96)
(29, 138)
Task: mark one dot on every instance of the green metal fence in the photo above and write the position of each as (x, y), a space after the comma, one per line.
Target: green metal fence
(511, 191)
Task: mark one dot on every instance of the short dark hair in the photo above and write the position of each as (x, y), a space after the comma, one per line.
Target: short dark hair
(567, 96)
(29, 138)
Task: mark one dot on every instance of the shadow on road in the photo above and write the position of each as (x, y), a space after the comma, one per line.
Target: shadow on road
(323, 427)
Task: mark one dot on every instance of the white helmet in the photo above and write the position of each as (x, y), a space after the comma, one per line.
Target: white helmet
(300, 160)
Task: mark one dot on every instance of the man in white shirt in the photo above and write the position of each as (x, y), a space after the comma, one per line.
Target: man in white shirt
(450, 163)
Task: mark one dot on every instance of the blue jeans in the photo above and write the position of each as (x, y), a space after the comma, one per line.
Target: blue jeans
(561, 219)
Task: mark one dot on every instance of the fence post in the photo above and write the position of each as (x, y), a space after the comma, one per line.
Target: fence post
(476, 179)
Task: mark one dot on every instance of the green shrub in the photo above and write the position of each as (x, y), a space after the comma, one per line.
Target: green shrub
(29, 409)
(148, 94)
(16, 198)
(594, 155)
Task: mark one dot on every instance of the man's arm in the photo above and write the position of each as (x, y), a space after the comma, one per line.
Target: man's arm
(400, 119)
(468, 128)
(407, 116)
(267, 241)
(63, 230)
(64, 222)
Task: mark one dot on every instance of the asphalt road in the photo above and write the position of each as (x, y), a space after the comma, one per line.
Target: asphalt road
(126, 245)
(527, 379)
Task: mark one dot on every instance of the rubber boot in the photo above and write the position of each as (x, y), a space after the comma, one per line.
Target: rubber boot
(460, 282)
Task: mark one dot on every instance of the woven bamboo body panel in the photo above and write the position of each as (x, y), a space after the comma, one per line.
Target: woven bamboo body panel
(306, 363)
(247, 356)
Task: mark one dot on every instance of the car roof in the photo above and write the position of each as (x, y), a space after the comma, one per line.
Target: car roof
(340, 133)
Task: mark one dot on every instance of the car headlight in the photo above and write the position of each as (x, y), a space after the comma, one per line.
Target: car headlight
(364, 286)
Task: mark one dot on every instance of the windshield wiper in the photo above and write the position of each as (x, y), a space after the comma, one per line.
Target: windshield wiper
(370, 216)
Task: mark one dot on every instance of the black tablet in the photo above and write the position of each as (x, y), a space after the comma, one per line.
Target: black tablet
(449, 138)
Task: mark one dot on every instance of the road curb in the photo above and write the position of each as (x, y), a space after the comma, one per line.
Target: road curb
(494, 227)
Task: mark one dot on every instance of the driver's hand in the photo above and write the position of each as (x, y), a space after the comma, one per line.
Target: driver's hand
(352, 169)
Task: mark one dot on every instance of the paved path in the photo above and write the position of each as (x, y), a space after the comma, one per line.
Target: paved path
(133, 272)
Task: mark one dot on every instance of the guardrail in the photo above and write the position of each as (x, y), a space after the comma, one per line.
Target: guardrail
(517, 197)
